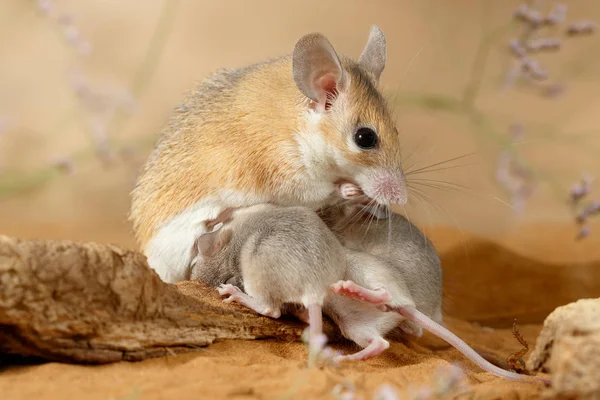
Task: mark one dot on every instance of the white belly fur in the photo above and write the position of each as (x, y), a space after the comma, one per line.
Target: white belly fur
(169, 251)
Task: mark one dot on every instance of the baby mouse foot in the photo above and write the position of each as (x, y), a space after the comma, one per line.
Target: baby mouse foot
(236, 295)
(375, 347)
(228, 289)
(378, 296)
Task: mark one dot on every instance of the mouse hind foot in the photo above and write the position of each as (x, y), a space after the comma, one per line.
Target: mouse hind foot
(375, 347)
(235, 295)
(378, 296)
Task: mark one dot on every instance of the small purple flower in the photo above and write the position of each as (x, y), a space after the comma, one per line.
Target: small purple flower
(535, 18)
(581, 189)
(64, 164)
(557, 15)
(588, 211)
(543, 44)
(46, 6)
(533, 68)
(581, 28)
(516, 47)
(522, 12)
(553, 90)
(583, 232)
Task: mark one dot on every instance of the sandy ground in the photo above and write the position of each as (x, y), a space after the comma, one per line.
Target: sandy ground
(498, 264)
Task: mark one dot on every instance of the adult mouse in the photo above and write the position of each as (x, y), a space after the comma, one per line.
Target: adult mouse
(282, 131)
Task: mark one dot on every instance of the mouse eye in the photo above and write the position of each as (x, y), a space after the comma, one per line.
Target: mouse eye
(365, 138)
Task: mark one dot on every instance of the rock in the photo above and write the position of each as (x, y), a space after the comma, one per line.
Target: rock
(568, 347)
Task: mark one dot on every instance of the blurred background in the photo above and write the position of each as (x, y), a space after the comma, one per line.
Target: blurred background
(497, 101)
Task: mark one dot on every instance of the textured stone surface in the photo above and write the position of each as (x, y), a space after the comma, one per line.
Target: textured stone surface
(568, 347)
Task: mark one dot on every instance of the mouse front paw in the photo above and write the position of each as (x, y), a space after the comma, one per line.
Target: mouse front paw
(349, 191)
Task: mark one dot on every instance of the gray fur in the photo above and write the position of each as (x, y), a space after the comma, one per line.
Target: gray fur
(280, 254)
(373, 56)
(409, 257)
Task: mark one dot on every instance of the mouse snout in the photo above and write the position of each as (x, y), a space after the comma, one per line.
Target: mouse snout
(386, 187)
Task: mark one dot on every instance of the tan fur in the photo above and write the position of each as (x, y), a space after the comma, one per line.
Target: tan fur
(236, 131)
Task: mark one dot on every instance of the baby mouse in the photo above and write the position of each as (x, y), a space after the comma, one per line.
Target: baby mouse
(284, 255)
(283, 131)
(408, 253)
(404, 277)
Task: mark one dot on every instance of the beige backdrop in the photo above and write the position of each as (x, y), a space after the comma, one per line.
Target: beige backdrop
(154, 50)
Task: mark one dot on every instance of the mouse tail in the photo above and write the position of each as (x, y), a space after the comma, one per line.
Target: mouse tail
(316, 338)
(443, 333)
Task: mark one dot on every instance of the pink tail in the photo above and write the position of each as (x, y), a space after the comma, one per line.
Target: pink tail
(455, 341)
(315, 332)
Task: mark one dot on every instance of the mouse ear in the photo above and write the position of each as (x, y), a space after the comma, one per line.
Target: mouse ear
(210, 243)
(317, 70)
(373, 56)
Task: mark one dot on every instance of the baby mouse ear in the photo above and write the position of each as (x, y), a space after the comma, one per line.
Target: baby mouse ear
(210, 243)
(373, 56)
(317, 69)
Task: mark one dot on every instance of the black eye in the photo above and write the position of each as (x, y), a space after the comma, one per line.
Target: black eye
(365, 138)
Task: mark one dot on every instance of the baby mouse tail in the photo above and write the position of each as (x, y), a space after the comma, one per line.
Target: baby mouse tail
(443, 333)
(316, 338)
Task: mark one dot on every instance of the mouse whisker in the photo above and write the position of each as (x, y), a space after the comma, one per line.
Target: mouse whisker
(456, 187)
(388, 211)
(445, 210)
(365, 212)
(356, 217)
(410, 232)
(371, 217)
(426, 171)
(412, 152)
(436, 181)
(409, 172)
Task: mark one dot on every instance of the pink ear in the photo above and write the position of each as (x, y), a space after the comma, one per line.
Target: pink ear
(327, 85)
(317, 70)
(207, 244)
(223, 239)
(218, 246)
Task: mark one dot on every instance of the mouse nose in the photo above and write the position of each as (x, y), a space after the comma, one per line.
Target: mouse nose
(391, 189)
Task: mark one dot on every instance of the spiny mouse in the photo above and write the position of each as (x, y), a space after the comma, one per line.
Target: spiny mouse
(283, 131)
